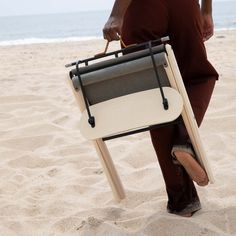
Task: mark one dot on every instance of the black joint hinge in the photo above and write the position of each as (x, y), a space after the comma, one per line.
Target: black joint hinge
(91, 121)
(165, 104)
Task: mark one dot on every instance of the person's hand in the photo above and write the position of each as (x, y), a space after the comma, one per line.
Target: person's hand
(207, 26)
(112, 29)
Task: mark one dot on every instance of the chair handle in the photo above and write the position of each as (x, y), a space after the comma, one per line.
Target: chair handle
(107, 45)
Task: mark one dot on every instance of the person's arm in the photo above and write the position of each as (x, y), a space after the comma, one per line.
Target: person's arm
(207, 20)
(112, 29)
(206, 6)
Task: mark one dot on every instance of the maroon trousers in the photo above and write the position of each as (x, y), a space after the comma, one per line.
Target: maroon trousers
(180, 188)
(181, 21)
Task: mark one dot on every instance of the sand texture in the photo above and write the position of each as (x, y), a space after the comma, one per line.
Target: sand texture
(51, 180)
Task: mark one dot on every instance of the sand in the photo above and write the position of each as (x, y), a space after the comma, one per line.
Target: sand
(51, 180)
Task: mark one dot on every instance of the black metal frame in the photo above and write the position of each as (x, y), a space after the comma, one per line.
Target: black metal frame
(122, 51)
(147, 45)
(177, 121)
(164, 99)
(91, 119)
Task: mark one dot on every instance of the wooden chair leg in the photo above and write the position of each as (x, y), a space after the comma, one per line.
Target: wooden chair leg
(109, 169)
(104, 155)
(176, 82)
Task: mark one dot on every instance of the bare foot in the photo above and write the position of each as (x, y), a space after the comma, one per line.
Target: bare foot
(195, 171)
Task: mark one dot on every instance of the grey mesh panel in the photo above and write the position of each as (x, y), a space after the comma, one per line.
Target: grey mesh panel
(122, 69)
(120, 86)
(122, 79)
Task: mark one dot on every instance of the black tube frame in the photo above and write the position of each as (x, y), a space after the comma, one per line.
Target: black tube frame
(175, 122)
(146, 45)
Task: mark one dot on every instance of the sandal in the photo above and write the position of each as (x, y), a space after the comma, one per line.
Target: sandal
(185, 156)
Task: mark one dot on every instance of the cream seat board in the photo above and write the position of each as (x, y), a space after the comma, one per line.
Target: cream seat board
(131, 112)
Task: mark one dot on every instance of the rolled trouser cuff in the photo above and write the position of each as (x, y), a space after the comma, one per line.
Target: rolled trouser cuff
(191, 208)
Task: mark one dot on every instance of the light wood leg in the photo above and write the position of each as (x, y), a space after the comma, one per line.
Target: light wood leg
(104, 155)
(176, 82)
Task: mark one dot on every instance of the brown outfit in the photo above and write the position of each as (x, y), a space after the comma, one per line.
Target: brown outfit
(181, 21)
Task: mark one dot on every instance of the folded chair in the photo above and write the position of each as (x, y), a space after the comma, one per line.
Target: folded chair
(131, 90)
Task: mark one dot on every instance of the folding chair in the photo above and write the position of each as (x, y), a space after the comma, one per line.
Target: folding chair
(131, 90)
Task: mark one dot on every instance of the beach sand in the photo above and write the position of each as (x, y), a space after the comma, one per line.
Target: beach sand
(51, 180)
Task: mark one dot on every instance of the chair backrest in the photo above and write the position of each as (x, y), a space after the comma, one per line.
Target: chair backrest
(121, 76)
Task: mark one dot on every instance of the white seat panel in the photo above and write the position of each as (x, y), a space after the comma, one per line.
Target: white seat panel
(131, 112)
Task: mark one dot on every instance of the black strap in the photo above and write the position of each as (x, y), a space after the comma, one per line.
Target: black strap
(91, 119)
(164, 99)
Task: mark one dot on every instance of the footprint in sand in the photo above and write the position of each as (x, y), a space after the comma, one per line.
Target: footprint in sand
(27, 143)
(30, 161)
